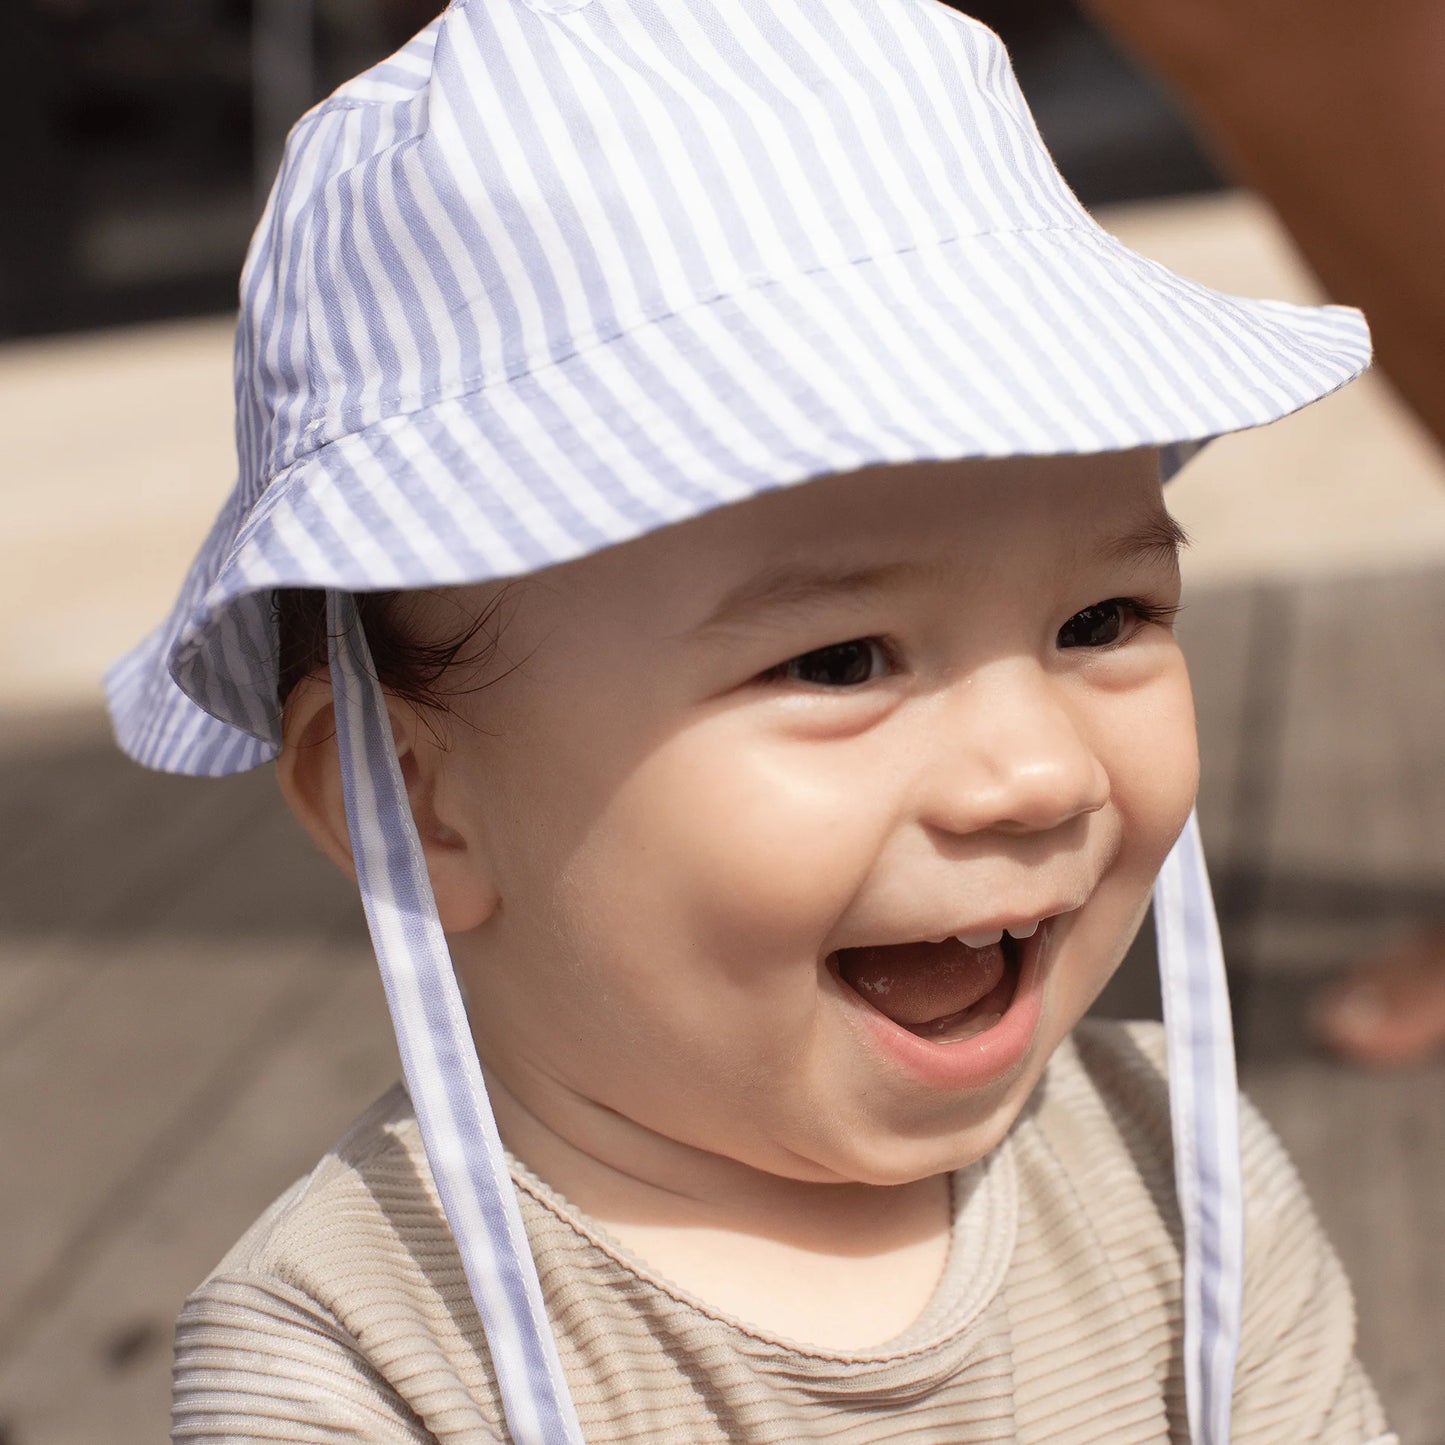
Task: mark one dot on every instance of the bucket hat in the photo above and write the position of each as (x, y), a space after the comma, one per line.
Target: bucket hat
(562, 272)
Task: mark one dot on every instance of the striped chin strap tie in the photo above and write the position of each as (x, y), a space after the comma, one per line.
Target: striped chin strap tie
(465, 1152)
(438, 1058)
(1204, 1115)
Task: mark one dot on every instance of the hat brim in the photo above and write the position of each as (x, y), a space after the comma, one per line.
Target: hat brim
(1043, 342)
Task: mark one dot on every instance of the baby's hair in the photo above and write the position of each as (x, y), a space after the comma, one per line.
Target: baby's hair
(408, 667)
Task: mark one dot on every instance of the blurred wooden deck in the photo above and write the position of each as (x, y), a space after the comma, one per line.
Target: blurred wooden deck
(188, 1011)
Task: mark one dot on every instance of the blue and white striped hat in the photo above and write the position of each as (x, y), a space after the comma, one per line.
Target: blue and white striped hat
(561, 272)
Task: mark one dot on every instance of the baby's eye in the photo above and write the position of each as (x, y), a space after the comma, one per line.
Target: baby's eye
(1106, 622)
(841, 664)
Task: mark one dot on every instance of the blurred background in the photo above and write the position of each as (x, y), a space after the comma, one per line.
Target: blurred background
(188, 1012)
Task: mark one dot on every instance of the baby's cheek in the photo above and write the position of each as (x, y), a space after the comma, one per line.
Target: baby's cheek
(760, 850)
(1148, 743)
(1164, 784)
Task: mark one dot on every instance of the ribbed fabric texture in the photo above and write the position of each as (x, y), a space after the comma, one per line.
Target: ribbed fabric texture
(344, 1314)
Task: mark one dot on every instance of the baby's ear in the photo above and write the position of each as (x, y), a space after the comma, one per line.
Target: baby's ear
(309, 772)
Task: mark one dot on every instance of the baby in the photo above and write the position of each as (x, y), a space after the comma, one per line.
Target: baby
(778, 836)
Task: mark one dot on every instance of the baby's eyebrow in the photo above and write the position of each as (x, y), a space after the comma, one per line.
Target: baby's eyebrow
(1158, 538)
(795, 586)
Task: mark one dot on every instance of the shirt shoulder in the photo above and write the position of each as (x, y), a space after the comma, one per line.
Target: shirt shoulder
(343, 1312)
(367, 1183)
(1105, 1111)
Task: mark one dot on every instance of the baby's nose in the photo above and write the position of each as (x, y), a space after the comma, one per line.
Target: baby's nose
(1013, 755)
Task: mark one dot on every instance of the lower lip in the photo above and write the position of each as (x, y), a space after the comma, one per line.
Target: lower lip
(975, 1062)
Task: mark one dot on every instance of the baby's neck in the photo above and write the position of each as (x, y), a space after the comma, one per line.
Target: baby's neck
(834, 1264)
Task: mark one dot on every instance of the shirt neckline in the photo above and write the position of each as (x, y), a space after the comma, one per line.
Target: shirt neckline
(981, 1244)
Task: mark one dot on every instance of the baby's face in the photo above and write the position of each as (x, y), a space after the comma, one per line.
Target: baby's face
(752, 777)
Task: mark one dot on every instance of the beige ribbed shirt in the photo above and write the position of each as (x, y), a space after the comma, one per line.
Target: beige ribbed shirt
(343, 1315)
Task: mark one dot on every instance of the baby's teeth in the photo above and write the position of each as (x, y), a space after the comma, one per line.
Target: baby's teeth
(1024, 931)
(979, 940)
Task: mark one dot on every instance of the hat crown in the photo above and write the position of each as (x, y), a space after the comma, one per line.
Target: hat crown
(526, 180)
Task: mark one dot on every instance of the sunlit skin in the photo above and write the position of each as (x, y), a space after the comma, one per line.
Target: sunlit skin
(652, 830)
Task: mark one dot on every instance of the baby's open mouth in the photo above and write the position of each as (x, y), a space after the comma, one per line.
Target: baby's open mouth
(946, 991)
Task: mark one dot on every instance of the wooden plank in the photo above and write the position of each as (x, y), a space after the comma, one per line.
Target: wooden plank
(130, 978)
(121, 855)
(1217, 630)
(96, 1366)
(1356, 850)
(1338, 810)
(269, 881)
(124, 851)
(109, 1073)
(1364, 774)
(1371, 1151)
(119, 450)
(160, 940)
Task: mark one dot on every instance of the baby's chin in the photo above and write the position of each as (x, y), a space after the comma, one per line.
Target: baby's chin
(880, 1159)
(914, 1162)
